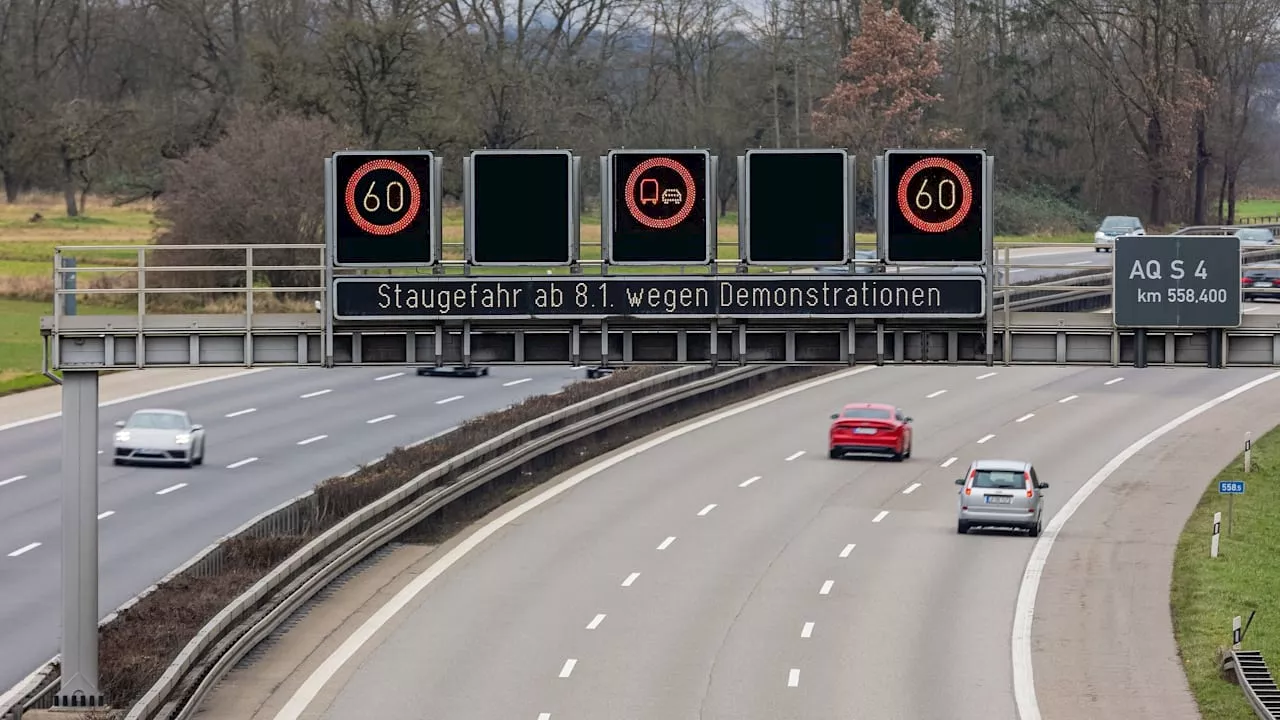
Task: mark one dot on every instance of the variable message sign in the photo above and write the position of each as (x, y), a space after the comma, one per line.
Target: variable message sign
(1231, 487)
(1176, 281)
(386, 208)
(660, 207)
(935, 206)
(521, 207)
(795, 206)
(705, 296)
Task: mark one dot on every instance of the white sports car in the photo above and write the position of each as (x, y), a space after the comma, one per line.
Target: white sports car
(159, 437)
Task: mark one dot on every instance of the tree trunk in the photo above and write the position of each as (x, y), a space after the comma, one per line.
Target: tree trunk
(1198, 202)
(1231, 197)
(11, 188)
(1155, 155)
(69, 187)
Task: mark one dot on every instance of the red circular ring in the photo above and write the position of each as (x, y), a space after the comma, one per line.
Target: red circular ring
(690, 193)
(415, 197)
(966, 192)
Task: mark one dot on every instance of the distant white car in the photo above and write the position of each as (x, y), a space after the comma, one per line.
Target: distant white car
(160, 437)
(1114, 226)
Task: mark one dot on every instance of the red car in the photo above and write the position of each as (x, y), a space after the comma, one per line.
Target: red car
(870, 428)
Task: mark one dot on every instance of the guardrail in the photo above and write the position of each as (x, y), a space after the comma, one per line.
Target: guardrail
(1255, 680)
(264, 607)
(37, 690)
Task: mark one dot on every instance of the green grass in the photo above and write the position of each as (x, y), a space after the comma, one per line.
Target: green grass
(20, 343)
(1254, 208)
(1207, 593)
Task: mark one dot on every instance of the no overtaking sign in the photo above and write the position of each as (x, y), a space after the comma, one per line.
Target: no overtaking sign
(1176, 281)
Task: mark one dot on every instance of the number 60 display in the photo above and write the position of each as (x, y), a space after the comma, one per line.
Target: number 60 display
(934, 203)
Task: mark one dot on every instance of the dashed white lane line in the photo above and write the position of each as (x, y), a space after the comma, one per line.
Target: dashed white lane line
(666, 543)
(807, 630)
(935, 393)
(568, 667)
(748, 481)
(882, 515)
(449, 399)
(793, 678)
(171, 488)
(793, 456)
(1113, 381)
(377, 420)
(544, 716)
(105, 515)
(13, 479)
(630, 579)
(706, 509)
(984, 439)
(847, 549)
(387, 377)
(517, 382)
(595, 621)
(826, 587)
(1068, 398)
(911, 488)
(238, 413)
(984, 377)
(317, 393)
(1026, 417)
(310, 440)
(948, 461)
(1081, 262)
(25, 549)
(241, 463)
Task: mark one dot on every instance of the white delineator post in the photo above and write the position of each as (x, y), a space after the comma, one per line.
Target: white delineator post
(1248, 452)
(1217, 527)
(1236, 634)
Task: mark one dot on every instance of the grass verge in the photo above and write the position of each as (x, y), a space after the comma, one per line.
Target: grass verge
(1207, 593)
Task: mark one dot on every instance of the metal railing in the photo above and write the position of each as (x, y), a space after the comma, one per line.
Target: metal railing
(1256, 682)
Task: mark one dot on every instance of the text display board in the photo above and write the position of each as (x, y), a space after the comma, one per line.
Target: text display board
(797, 208)
(516, 297)
(936, 206)
(1176, 281)
(521, 208)
(660, 207)
(385, 205)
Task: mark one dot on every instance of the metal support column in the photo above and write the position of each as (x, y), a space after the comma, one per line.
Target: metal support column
(79, 541)
(1139, 348)
(1215, 347)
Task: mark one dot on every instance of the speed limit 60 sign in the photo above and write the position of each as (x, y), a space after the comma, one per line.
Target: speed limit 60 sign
(935, 204)
(385, 208)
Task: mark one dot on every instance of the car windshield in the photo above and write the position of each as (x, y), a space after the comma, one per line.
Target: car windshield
(867, 413)
(999, 479)
(1116, 223)
(157, 421)
(1255, 234)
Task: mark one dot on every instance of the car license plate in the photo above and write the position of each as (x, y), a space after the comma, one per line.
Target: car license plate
(865, 431)
(998, 499)
(1262, 284)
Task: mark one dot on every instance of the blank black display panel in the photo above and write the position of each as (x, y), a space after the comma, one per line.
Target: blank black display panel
(796, 206)
(521, 208)
(935, 206)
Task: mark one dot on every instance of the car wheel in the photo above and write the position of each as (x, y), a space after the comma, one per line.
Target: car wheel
(962, 527)
(833, 454)
(200, 457)
(1035, 530)
(908, 451)
(1097, 250)
(117, 461)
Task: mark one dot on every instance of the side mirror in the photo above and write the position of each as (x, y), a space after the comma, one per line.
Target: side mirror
(197, 427)
(835, 416)
(908, 420)
(119, 423)
(959, 481)
(1043, 486)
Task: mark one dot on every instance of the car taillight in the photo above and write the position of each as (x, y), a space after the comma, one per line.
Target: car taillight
(968, 488)
(1026, 477)
(1246, 281)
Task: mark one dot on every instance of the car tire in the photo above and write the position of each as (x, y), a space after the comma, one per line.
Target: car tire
(1035, 530)
(908, 453)
(834, 454)
(1097, 250)
(962, 527)
(200, 458)
(117, 461)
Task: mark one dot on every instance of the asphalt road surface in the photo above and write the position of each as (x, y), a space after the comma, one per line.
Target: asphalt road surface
(270, 437)
(737, 572)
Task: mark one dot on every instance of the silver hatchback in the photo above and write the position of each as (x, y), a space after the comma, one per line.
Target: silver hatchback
(1000, 493)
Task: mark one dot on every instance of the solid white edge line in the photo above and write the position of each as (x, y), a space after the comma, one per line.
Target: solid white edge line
(1024, 685)
(16, 478)
(303, 696)
(137, 396)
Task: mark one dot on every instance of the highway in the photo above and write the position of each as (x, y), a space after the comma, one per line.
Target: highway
(270, 437)
(734, 571)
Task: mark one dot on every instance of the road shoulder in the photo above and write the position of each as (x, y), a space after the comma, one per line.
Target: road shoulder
(1102, 639)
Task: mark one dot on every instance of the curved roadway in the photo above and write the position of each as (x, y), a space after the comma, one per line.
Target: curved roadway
(736, 572)
(271, 436)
